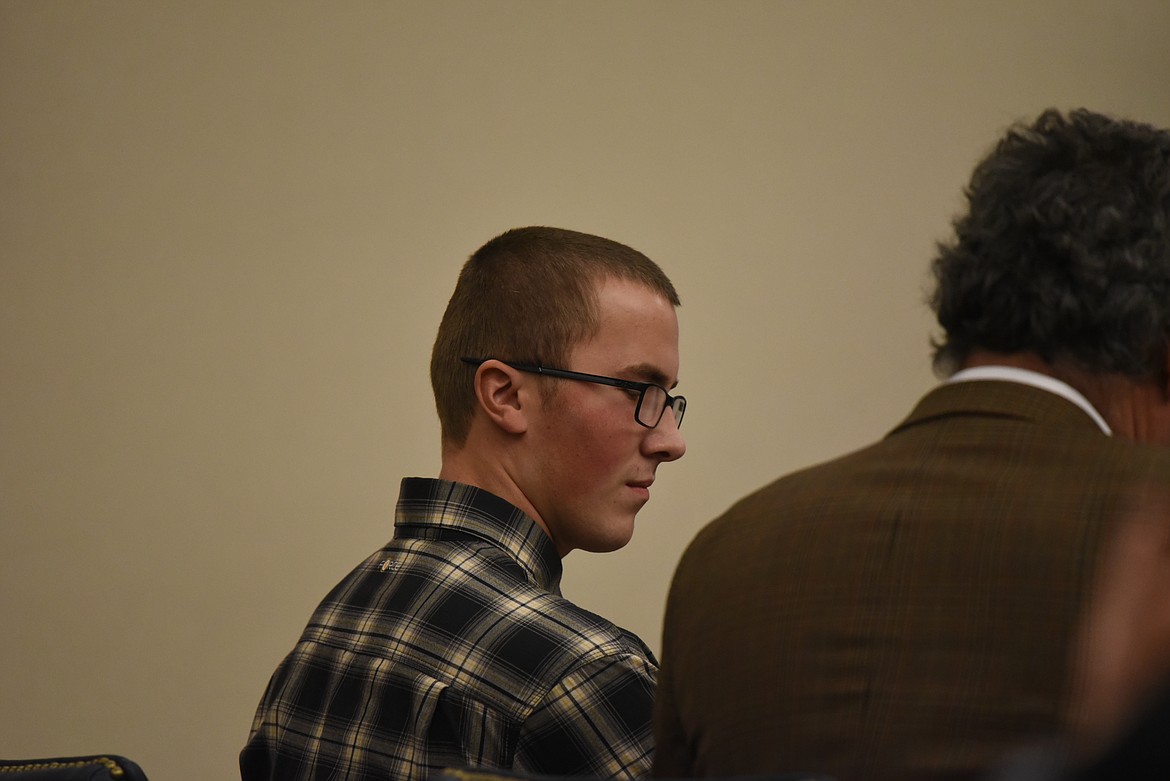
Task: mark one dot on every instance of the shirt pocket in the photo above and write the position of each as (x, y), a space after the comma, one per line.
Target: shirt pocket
(445, 725)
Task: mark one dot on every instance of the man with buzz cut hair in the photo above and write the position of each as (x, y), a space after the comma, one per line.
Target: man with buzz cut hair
(452, 646)
(907, 612)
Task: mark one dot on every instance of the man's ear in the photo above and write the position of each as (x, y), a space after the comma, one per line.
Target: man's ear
(503, 395)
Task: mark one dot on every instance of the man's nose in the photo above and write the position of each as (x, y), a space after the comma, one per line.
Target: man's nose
(666, 441)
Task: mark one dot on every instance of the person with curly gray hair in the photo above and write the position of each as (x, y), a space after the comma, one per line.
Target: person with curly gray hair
(1064, 253)
(912, 610)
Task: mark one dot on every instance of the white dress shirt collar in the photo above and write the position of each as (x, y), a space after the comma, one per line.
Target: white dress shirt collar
(1036, 380)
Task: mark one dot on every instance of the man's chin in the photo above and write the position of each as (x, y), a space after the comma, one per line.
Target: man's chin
(614, 539)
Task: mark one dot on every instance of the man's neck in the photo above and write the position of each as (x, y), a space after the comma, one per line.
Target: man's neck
(488, 467)
(1028, 361)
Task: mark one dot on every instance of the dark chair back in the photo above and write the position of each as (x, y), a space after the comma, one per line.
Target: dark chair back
(107, 767)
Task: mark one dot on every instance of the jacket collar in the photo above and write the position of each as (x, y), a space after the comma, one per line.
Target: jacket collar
(999, 399)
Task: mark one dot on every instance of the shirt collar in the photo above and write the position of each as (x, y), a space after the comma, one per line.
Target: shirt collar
(1035, 380)
(429, 506)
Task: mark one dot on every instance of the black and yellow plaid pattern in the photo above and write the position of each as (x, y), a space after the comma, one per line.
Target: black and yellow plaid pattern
(452, 646)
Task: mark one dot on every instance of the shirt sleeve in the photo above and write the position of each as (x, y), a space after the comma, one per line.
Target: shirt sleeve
(597, 721)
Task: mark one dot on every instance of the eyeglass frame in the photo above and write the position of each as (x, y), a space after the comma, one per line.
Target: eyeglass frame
(601, 379)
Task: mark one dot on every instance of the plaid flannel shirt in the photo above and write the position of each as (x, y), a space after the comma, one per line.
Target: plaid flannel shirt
(452, 646)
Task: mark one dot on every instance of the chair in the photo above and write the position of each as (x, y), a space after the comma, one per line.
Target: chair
(107, 767)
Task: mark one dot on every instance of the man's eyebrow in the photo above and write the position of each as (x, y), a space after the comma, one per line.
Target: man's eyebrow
(648, 373)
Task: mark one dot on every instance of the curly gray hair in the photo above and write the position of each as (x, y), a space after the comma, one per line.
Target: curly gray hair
(1064, 251)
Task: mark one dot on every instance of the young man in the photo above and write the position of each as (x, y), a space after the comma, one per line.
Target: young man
(452, 645)
(907, 611)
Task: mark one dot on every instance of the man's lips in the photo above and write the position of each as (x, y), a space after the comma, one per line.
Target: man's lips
(641, 486)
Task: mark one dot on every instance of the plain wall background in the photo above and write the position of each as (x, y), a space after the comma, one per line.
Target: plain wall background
(228, 231)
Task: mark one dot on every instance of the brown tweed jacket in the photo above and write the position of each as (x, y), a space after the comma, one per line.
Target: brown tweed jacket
(903, 612)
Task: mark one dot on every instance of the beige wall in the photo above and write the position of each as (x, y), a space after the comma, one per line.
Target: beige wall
(227, 232)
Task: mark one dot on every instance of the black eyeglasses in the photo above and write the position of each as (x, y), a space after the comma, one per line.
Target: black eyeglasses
(653, 399)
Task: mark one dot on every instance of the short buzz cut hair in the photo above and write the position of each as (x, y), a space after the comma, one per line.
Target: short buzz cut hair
(529, 296)
(1064, 250)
